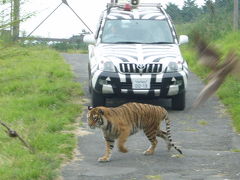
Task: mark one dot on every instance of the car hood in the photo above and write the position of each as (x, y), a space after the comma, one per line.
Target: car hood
(139, 53)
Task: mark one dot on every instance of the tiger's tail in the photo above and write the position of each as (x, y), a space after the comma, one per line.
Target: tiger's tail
(171, 144)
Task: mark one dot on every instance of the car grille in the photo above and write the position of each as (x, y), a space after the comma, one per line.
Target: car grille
(133, 68)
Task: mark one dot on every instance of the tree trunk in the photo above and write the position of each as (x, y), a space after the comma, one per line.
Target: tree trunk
(235, 15)
(16, 19)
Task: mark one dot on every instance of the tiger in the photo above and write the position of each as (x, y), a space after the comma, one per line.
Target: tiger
(125, 120)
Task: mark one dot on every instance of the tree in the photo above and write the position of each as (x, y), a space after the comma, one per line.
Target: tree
(208, 7)
(10, 18)
(15, 19)
(174, 12)
(190, 11)
(4, 12)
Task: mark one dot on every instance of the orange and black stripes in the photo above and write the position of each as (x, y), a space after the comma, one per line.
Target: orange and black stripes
(123, 121)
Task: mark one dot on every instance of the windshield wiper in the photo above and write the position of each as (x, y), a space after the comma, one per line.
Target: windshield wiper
(160, 43)
(128, 42)
(131, 42)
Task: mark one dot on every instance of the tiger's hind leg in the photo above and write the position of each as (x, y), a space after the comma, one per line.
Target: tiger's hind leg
(163, 135)
(108, 151)
(151, 135)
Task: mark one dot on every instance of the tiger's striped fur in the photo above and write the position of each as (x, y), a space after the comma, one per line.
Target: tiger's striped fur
(127, 119)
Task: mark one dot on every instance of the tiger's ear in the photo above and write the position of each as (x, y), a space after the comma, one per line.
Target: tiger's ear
(101, 111)
(90, 108)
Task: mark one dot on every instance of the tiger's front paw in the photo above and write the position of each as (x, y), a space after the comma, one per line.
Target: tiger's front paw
(104, 159)
(148, 152)
(123, 149)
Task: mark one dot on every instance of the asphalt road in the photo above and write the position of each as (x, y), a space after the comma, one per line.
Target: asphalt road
(205, 136)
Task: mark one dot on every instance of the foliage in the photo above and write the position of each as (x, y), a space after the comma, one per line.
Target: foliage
(174, 12)
(74, 45)
(37, 99)
(217, 22)
(66, 46)
(190, 11)
(6, 19)
(213, 20)
(230, 91)
(5, 10)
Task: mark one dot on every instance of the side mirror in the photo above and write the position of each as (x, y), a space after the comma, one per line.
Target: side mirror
(183, 39)
(89, 39)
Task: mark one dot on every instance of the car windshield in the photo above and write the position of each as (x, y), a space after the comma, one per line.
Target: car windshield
(137, 31)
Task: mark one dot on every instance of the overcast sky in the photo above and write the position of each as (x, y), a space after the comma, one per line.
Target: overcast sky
(63, 23)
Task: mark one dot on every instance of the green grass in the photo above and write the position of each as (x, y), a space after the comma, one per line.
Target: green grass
(37, 98)
(235, 150)
(79, 51)
(154, 177)
(202, 122)
(229, 92)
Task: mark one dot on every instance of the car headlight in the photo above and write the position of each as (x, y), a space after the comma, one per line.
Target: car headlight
(174, 67)
(107, 66)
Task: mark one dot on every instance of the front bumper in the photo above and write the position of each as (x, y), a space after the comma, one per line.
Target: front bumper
(159, 85)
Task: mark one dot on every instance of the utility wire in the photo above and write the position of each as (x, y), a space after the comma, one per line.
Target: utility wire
(44, 20)
(66, 3)
(77, 15)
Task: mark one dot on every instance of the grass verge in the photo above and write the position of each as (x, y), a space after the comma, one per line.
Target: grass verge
(229, 92)
(79, 51)
(37, 98)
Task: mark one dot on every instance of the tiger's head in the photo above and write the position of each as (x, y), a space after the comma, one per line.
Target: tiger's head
(94, 117)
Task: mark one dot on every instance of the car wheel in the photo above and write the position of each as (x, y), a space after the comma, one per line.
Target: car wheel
(98, 99)
(178, 102)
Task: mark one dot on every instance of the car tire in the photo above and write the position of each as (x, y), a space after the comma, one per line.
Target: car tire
(178, 102)
(98, 99)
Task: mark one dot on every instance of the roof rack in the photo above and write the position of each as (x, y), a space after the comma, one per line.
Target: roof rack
(133, 2)
(121, 5)
(111, 5)
(150, 5)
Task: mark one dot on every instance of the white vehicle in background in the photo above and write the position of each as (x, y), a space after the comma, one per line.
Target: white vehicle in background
(135, 53)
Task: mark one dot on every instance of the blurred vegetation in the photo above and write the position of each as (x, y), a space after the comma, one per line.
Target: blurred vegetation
(229, 92)
(70, 47)
(214, 22)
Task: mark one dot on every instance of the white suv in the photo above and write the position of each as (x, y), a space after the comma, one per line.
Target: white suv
(135, 53)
